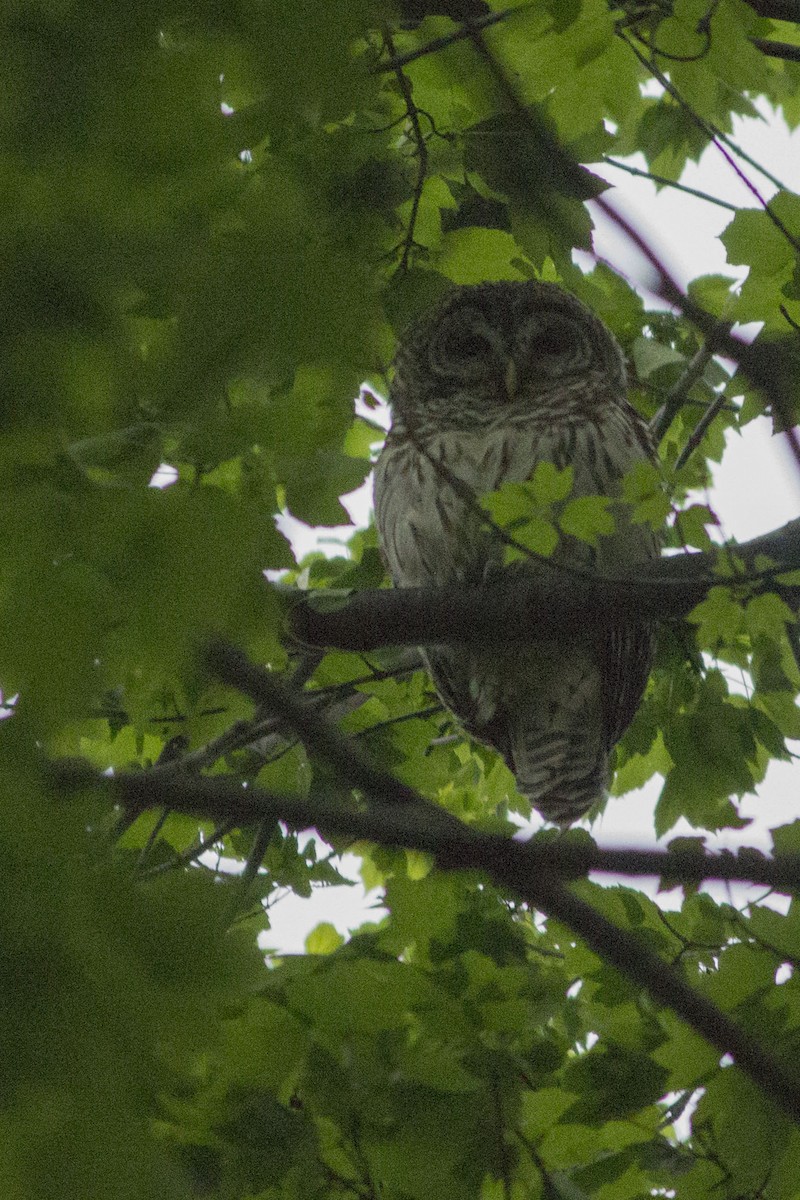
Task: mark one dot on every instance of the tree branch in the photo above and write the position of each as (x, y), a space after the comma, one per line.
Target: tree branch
(515, 600)
(711, 132)
(770, 367)
(397, 61)
(529, 871)
(698, 433)
(777, 10)
(420, 150)
(665, 182)
(400, 817)
(676, 397)
(455, 846)
(319, 736)
(784, 50)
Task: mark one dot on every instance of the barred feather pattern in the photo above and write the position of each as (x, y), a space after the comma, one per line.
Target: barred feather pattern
(498, 379)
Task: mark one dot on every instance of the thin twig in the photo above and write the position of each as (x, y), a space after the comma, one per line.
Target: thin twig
(318, 735)
(761, 364)
(745, 157)
(245, 882)
(662, 179)
(245, 733)
(679, 58)
(787, 316)
(398, 61)
(152, 838)
(421, 151)
(421, 714)
(699, 431)
(712, 133)
(192, 853)
(676, 396)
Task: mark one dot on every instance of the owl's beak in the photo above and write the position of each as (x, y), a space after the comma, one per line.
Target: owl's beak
(511, 380)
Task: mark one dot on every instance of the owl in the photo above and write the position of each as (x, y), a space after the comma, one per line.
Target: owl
(498, 378)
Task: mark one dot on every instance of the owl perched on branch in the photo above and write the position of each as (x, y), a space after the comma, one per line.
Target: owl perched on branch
(497, 379)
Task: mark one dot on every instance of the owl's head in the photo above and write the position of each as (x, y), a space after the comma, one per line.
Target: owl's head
(503, 346)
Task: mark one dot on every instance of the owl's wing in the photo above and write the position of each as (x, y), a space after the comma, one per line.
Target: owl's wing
(626, 658)
(472, 689)
(626, 653)
(428, 536)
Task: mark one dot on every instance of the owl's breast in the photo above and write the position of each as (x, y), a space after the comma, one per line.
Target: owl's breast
(427, 499)
(428, 490)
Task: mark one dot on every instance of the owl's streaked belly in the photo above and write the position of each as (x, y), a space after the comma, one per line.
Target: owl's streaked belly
(428, 503)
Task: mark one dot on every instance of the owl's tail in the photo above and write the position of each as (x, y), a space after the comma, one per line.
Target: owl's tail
(562, 772)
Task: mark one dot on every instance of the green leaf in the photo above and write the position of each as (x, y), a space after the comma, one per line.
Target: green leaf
(753, 239)
(513, 508)
(691, 526)
(614, 1082)
(218, 220)
(750, 1133)
(767, 615)
(324, 939)
(718, 618)
(548, 484)
(643, 490)
(588, 518)
(649, 356)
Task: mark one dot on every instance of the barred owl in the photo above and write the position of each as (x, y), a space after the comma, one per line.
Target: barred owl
(498, 378)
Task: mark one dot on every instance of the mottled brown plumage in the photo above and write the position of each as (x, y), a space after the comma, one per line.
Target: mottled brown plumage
(498, 378)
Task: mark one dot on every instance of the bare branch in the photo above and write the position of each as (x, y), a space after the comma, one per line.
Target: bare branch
(421, 151)
(677, 395)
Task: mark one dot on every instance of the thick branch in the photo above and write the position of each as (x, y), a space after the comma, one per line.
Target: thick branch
(496, 614)
(553, 598)
(784, 50)
(777, 10)
(415, 823)
(455, 845)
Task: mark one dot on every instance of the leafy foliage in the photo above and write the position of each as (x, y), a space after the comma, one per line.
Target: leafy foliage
(217, 218)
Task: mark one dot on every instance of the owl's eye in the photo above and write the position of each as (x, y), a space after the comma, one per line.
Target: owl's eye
(555, 342)
(554, 338)
(460, 341)
(463, 340)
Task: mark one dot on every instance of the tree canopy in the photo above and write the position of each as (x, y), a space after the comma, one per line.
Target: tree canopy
(217, 220)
